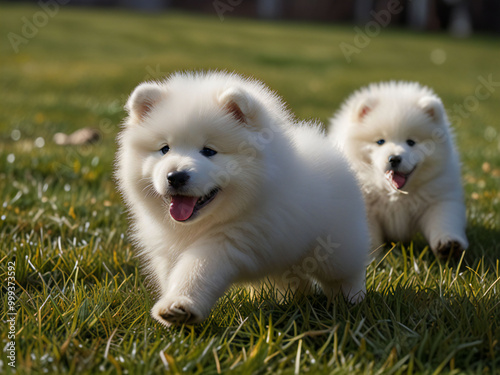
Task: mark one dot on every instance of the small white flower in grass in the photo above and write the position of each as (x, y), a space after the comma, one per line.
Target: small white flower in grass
(490, 134)
(15, 135)
(438, 56)
(11, 158)
(39, 142)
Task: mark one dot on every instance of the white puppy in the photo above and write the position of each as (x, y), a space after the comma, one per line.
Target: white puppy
(224, 187)
(398, 139)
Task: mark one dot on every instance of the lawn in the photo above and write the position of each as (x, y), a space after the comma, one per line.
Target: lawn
(81, 304)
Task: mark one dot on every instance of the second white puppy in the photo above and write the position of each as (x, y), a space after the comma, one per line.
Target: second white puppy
(223, 186)
(397, 137)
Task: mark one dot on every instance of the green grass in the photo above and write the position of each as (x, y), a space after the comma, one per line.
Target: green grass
(82, 304)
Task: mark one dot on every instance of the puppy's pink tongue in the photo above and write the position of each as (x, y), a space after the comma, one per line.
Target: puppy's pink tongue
(399, 180)
(182, 207)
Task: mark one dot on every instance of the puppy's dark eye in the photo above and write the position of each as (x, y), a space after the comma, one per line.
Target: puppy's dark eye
(410, 142)
(380, 142)
(165, 149)
(208, 152)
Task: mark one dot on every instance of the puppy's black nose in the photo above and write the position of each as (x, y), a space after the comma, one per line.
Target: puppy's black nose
(177, 179)
(395, 160)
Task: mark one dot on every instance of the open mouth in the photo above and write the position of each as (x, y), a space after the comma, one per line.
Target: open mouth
(183, 207)
(398, 179)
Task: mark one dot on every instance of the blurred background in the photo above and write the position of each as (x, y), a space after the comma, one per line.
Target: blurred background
(460, 17)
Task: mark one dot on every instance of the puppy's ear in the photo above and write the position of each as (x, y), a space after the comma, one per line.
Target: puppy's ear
(362, 108)
(238, 104)
(433, 107)
(142, 100)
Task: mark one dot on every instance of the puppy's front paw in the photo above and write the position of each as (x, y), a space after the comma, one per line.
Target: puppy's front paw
(176, 311)
(448, 249)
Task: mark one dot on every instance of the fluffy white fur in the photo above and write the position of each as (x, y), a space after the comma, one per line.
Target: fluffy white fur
(406, 121)
(286, 205)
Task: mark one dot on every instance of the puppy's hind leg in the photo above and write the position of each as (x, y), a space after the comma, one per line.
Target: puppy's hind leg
(331, 290)
(353, 289)
(291, 285)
